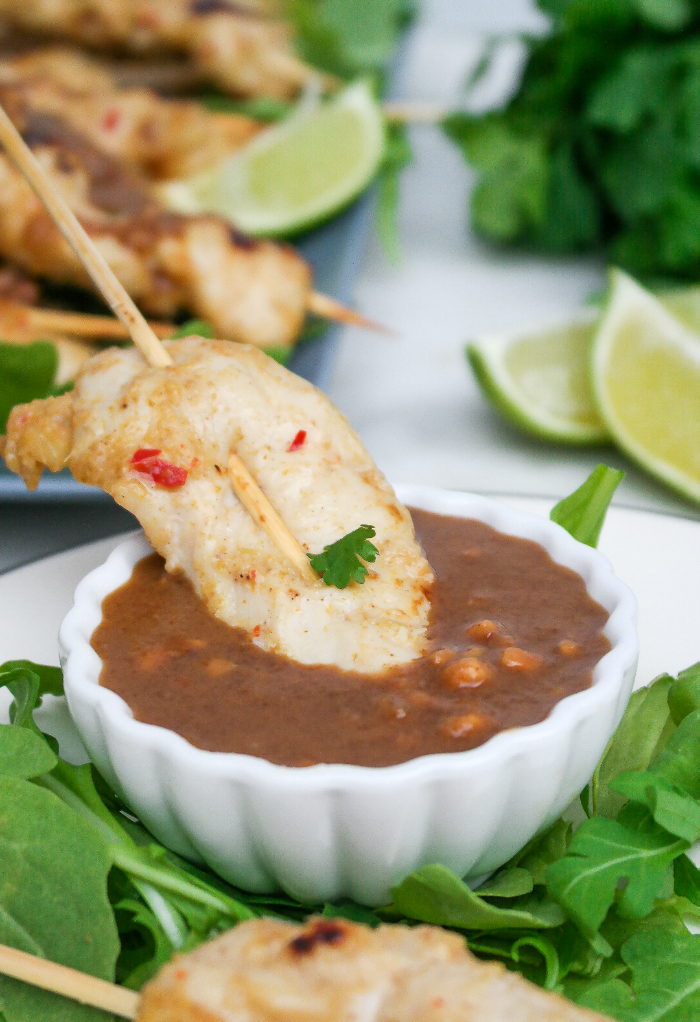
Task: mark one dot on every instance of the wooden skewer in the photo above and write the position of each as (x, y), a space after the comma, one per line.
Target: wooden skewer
(328, 308)
(78, 324)
(103, 277)
(259, 507)
(415, 113)
(59, 979)
(255, 501)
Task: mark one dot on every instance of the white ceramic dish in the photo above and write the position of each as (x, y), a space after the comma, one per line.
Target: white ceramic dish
(330, 831)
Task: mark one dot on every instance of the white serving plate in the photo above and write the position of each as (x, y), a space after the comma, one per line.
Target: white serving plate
(333, 831)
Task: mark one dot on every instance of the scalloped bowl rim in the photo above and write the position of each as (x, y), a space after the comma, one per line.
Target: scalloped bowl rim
(82, 664)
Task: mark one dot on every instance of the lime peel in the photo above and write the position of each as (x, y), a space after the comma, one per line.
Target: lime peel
(295, 174)
(539, 380)
(646, 382)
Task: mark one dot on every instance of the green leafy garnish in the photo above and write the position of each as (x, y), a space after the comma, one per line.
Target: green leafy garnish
(598, 146)
(349, 38)
(260, 108)
(593, 912)
(397, 155)
(582, 513)
(193, 328)
(27, 371)
(340, 561)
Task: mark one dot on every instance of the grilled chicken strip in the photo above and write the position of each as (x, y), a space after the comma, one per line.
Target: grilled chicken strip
(249, 290)
(158, 440)
(331, 970)
(161, 138)
(239, 50)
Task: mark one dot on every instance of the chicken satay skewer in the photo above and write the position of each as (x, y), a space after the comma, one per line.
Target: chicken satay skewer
(106, 282)
(244, 485)
(59, 979)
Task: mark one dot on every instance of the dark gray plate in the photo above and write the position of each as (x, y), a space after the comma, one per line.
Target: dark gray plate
(334, 250)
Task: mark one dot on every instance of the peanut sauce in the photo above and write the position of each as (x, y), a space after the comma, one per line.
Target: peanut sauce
(511, 633)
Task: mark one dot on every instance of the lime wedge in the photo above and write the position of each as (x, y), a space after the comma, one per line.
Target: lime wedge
(540, 381)
(645, 372)
(295, 174)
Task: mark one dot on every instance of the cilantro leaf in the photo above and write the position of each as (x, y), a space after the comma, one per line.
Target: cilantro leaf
(582, 513)
(340, 561)
(598, 146)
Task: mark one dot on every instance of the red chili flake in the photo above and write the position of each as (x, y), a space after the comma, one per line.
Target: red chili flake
(298, 441)
(146, 462)
(251, 575)
(145, 454)
(111, 119)
(256, 631)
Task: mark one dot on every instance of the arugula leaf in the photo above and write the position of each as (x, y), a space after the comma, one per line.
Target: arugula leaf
(53, 897)
(670, 807)
(684, 693)
(433, 894)
(644, 728)
(511, 882)
(603, 854)
(583, 512)
(665, 979)
(542, 850)
(686, 880)
(182, 908)
(23, 754)
(340, 561)
(27, 371)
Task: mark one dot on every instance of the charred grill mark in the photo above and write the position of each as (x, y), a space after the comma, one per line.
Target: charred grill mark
(202, 7)
(320, 932)
(241, 240)
(112, 188)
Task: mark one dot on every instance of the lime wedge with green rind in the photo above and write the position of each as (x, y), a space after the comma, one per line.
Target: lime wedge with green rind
(296, 174)
(645, 373)
(540, 381)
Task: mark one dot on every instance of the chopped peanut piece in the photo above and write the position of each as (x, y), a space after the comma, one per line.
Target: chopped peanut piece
(152, 659)
(421, 699)
(520, 659)
(443, 656)
(192, 644)
(482, 631)
(217, 667)
(460, 727)
(469, 672)
(569, 648)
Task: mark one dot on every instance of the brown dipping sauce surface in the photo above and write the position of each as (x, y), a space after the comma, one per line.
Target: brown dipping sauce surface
(179, 667)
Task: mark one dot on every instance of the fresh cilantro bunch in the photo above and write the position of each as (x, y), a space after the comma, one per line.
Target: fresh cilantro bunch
(340, 561)
(600, 146)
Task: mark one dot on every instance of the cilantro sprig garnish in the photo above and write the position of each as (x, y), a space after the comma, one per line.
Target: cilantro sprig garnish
(342, 561)
(597, 148)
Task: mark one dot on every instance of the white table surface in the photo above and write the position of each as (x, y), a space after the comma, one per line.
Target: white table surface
(413, 400)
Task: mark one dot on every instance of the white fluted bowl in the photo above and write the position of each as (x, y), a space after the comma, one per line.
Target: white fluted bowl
(331, 831)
